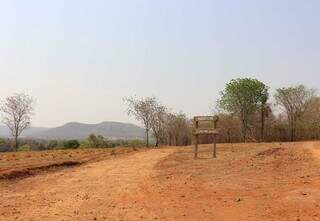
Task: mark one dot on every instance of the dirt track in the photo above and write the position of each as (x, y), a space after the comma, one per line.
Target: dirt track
(246, 182)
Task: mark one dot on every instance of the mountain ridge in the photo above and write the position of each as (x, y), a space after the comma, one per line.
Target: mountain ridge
(77, 130)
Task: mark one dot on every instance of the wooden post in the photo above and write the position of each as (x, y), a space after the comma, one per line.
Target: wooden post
(206, 131)
(214, 146)
(196, 147)
(196, 141)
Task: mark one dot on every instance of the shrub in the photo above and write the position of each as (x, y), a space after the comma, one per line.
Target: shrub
(71, 144)
(24, 147)
(136, 143)
(52, 144)
(98, 141)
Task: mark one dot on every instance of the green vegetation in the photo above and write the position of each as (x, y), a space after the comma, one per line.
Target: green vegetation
(24, 147)
(247, 115)
(93, 141)
(71, 144)
(98, 141)
(243, 97)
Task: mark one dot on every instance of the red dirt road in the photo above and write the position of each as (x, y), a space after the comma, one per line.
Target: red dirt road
(245, 182)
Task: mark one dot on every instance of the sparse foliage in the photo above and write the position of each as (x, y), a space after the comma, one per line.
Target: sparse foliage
(143, 110)
(98, 141)
(178, 129)
(158, 121)
(294, 101)
(17, 111)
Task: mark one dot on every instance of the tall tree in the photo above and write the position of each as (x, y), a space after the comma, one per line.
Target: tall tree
(265, 109)
(294, 100)
(243, 96)
(143, 110)
(158, 121)
(310, 121)
(17, 111)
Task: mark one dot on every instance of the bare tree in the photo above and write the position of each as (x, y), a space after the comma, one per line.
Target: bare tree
(178, 129)
(17, 111)
(143, 110)
(158, 121)
(294, 101)
(309, 123)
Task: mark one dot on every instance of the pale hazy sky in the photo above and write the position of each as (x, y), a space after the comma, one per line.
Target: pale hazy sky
(79, 58)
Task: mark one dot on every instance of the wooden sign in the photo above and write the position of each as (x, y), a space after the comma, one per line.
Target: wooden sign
(205, 131)
(206, 118)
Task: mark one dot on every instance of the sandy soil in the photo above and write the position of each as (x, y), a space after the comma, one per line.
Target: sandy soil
(246, 182)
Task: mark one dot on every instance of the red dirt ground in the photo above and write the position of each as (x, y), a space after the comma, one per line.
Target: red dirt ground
(277, 181)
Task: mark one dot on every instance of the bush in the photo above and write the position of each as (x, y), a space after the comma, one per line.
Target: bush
(98, 141)
(136, 143)
(5, 149)
(52, 144)
(71, 144)
(24, 147)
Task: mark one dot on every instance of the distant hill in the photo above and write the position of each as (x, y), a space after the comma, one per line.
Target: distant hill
(73, 130)
(5, 132)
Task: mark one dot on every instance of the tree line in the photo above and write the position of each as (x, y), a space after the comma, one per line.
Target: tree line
(93, 141)
(166, 127)
(247, 113)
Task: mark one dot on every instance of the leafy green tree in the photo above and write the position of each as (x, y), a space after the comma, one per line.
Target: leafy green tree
(71, 144)
(294, 101)
(244, 96)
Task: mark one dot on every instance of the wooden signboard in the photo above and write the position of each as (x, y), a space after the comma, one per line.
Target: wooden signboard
(205, 131)
(206, 118)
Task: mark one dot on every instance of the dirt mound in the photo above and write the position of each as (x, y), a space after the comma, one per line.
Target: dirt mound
(26, 172)
(24, 164)
(275, 152)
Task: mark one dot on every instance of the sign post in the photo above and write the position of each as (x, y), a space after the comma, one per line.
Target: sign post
(205, 131)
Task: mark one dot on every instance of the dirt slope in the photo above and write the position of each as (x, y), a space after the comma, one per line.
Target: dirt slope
(22, 164)
(246, 182)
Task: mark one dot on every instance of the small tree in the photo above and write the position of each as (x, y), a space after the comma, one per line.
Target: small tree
(143, 110)
(243, 97)
(178, 129)
(294, 101)
(98, 141)
(17, 111)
